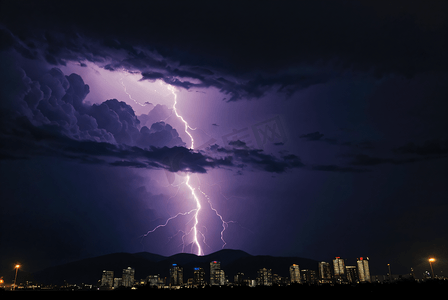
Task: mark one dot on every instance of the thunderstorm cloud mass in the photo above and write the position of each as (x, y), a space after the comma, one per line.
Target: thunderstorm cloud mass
(313, 129)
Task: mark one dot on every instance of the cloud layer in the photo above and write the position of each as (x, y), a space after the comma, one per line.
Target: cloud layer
(46, 116)
(238, 50)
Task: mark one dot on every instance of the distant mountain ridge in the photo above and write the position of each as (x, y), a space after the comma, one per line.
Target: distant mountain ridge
(232, 261)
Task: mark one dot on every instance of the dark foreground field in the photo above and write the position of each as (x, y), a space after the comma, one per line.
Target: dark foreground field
(399, 289)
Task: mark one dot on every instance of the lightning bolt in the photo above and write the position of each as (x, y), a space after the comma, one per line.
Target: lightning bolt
(195, 211)
(187, 182)
(168, 220)
(224, 223)
(171, 88)
(129, 95)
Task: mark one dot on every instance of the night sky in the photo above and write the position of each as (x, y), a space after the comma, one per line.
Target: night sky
(319, 129)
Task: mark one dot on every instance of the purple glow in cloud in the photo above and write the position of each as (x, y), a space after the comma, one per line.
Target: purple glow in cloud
(196, 211)
(109, 133)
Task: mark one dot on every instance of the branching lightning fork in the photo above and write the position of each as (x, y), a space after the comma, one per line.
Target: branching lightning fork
(196, 210)
(129, 95)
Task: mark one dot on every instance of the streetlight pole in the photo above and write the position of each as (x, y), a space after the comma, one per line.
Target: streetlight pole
(431, 260)
(390, 274)
(17, 266)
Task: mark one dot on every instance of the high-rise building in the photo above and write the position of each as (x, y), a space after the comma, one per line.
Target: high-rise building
(324, 272)
(339, 270)
(363, 269)
(216, 274)
(198, 277)
(351, 274)
(107, 280)
(176, 275)
(264, 277)
(118, 281)
(294, 273)
(128, 277)
(154, 281)
(278, 280)
(238, 279)
(308, 276)
(221, 277)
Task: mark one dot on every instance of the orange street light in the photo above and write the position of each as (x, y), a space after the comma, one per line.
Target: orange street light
(390, 274)
(17, 266)
(431, 260)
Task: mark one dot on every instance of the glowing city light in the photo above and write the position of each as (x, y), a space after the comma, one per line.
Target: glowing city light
(431, 260)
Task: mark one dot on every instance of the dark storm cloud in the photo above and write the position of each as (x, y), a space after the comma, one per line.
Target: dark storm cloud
(152, 76)
(256, 158)
(243, 48)
(53, 99)
(237, 144)
(431, 147)
(336, 168)
(30, 141)
(314, 136)
(317, 136)
(46, 116)
(246, 157)
(409, 153)
(367, 160)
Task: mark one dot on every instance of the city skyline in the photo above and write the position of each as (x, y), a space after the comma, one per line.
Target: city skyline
(358, 274)
(299, 129)
(240, 269)
(265, 277)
